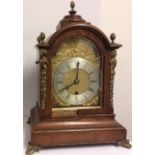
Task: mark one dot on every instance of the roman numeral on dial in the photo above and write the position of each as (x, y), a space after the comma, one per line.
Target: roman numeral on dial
(90, 89)
(59, 81)
(93, 81)
(76, 99)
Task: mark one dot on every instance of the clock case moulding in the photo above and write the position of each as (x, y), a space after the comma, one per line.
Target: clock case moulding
(88, 126)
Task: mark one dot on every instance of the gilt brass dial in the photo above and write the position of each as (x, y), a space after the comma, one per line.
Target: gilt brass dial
(76, 81)
(76, 74)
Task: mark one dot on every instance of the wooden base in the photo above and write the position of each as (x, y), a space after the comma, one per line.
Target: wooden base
(81, 130)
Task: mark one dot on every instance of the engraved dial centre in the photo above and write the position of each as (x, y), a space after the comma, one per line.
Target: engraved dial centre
(80, 87)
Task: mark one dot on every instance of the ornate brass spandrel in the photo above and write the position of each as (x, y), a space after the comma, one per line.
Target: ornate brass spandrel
(43, 71)
(93, 102)
(75, 47)
(113, 63)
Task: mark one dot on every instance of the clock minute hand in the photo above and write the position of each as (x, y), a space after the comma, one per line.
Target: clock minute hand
(67, 87)
(76, 81)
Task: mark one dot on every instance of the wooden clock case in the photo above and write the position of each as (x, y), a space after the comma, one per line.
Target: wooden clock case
(85, 126)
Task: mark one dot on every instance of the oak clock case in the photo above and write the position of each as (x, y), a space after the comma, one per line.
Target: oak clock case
(76, 74)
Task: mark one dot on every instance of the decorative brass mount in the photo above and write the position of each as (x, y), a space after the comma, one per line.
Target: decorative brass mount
(43, 69)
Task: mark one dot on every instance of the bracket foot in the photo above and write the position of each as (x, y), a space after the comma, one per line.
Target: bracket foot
(32, 149)
(124, 143)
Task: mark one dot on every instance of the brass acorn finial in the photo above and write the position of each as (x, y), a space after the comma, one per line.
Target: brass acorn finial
(41, 38)
(72, 5)
(112, 37)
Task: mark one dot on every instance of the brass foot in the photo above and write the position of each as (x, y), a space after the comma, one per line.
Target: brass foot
(124, 143)
(31, 149)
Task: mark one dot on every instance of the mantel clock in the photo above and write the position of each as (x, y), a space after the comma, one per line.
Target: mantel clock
(75, 99)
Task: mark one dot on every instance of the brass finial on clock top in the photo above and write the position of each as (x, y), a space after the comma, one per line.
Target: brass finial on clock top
(41, 38)
(72, 5)
(112, 37)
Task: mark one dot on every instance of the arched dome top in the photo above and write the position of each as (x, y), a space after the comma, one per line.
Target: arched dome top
(83, 26)
(76, 22)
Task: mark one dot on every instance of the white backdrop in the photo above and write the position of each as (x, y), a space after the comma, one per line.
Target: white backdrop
(109, 15)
